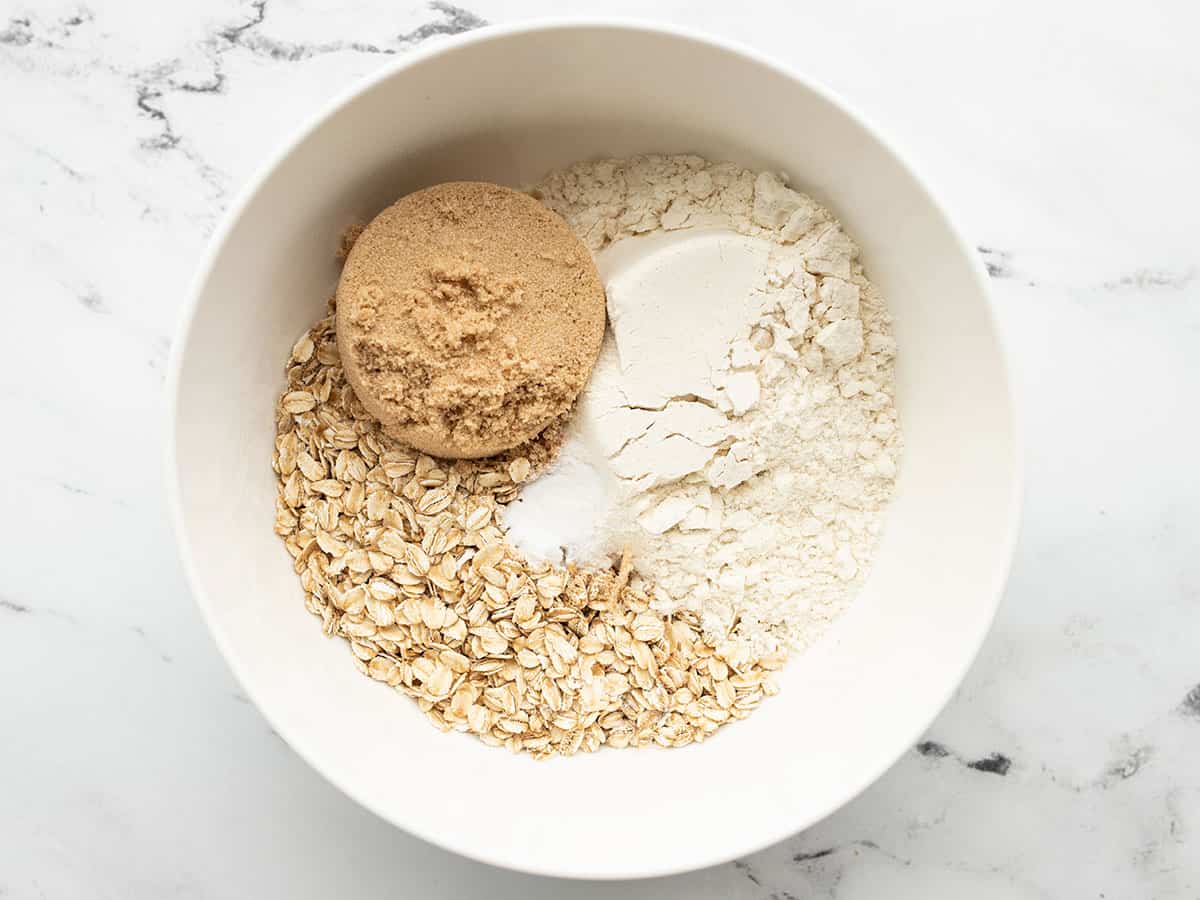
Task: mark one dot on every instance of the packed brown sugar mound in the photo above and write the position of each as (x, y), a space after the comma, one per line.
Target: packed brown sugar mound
(468, 318)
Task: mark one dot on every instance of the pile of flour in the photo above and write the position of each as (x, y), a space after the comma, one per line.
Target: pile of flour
(738, 436)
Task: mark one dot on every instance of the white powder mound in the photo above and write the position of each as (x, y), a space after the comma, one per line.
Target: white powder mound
(571, 512)
(738, 434)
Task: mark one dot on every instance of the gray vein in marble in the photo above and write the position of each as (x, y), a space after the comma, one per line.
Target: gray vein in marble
(80, 18)
(43, 153)
(24, 609)
(141, 632)
(1125, 768)
(1151, 279)
(258, 15)
(932, 749)
(831, 869)
(454, 20)
(1190, 705)
(243, 700)
(1000, 266)
(997, 262)
(148, 89)
(167, 139)
(19, 33)
(815, 854)
(78, 490)
(457, 20)
(811, 856)
(826, 868)
(1176, 827)
(215, 85)
(993, 764)
(93, 302)
(152, 84)
(13, 606)
(74, 174)
(159, 345)
(149, 85)
(1127, 764)
(871, 845)
(744, 867)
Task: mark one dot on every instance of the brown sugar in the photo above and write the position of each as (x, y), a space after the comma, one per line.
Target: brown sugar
(468, 318)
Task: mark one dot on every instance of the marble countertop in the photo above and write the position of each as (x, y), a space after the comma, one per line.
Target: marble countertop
(1064, 137)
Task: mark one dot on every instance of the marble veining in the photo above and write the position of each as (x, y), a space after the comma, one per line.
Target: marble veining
(995, 763)
(1190, 705)
(134, 767)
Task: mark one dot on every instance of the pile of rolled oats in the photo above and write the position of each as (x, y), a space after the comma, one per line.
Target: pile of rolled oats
(401, 555)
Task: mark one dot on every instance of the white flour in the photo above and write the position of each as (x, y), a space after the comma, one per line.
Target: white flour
(738, 434)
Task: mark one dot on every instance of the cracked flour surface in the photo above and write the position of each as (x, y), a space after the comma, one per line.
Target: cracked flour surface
(739, 435)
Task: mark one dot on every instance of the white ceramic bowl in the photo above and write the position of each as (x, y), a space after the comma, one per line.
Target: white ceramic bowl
(506, 105)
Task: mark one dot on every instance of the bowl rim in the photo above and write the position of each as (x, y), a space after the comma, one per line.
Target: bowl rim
(763, 837)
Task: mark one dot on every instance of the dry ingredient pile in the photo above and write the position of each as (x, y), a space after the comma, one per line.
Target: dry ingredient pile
(739, 433)
(712, 502)
(468, 318)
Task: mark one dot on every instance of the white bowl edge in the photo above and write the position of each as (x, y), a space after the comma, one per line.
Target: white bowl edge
(250, 189)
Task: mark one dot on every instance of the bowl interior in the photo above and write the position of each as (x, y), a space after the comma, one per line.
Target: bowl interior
(506, 107)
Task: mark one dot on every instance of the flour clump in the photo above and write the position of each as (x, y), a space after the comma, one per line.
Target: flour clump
(739, 434)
